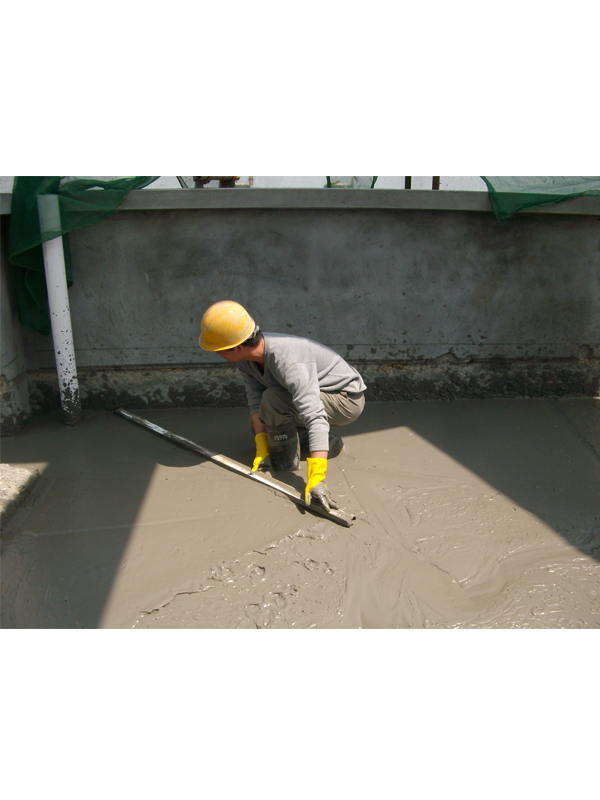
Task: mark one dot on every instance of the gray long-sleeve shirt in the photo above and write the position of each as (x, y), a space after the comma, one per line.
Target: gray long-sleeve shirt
(305, 368)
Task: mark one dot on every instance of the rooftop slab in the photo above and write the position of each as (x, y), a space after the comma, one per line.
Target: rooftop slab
(471, 514)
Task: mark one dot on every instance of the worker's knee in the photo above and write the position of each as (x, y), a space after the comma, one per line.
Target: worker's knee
(276, 407)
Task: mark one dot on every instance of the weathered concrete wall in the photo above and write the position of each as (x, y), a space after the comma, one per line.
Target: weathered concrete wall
(220, 385)
(14, 389)
(429, 303)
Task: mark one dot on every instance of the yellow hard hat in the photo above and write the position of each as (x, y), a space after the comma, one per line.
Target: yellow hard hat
(225, 324)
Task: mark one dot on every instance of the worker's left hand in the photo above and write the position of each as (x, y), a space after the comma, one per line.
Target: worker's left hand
(316, 490)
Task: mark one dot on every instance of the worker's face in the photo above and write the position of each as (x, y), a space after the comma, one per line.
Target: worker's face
(233, 355)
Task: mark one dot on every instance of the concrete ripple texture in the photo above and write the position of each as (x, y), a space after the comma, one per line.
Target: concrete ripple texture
(470, 514)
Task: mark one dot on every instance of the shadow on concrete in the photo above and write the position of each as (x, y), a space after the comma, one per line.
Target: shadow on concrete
(63, 551)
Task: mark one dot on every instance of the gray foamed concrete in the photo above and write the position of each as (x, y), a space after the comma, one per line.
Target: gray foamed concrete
(469, 514)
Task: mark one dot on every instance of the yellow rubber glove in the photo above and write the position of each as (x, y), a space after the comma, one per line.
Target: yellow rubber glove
(262, 450)
(315, 486)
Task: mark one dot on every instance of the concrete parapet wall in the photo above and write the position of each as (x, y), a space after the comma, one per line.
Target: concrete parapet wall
(15, 409)
(210, 386)
(430, 301)
(221, 385)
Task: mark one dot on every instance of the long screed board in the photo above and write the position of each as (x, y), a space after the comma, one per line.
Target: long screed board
(337, 515)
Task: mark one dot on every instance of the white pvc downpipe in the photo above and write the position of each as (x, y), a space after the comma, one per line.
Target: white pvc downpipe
(60, 314)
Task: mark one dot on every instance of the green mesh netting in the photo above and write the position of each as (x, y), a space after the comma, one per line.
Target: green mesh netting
(82, 202)
(509, 195)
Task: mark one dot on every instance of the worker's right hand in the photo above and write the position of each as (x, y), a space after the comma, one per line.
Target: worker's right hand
(262, 460)
(316, 491)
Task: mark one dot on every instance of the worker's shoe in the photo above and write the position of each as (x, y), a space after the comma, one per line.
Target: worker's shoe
(284, 447)
(336, 444)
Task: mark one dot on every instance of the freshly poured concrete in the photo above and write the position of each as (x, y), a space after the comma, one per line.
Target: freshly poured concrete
(469, 514)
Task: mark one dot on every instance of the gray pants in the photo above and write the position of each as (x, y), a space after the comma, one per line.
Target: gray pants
(277, 407)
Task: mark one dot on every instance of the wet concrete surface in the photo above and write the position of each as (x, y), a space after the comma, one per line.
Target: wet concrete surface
(470, 514)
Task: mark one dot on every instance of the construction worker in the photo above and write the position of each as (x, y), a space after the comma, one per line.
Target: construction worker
(296, 389)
